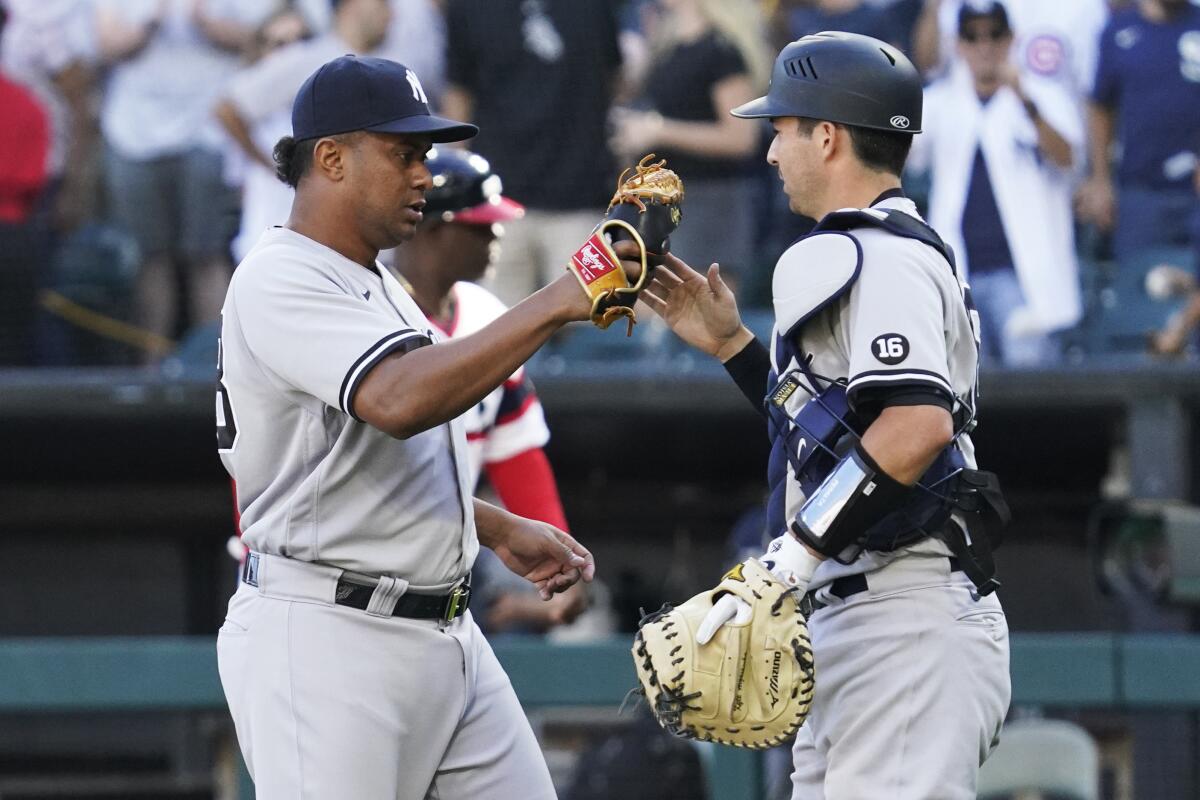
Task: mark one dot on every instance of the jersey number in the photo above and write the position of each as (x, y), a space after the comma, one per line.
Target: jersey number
(226, 425)
(891, 348)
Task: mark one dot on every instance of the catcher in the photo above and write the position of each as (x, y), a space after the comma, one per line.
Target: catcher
(868, 392)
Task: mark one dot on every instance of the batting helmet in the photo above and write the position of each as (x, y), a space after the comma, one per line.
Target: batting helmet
(842, 77)
(464, 189)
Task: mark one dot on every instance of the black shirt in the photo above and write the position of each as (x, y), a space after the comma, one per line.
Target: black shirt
(982, 228)
(679, 86)
(541, 73)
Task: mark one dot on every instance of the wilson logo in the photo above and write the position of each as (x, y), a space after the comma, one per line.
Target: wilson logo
(900, 121)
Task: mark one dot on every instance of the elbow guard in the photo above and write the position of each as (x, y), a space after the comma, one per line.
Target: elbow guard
(852, 498)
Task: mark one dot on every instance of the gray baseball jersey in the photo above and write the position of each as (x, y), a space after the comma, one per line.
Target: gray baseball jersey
(903, 322)
(369, 704)
(912, 668)
(301, 327)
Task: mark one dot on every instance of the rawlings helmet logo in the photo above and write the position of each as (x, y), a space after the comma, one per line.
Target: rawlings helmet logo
(900, 121)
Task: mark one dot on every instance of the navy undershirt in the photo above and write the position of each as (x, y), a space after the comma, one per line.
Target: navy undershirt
(983, 233)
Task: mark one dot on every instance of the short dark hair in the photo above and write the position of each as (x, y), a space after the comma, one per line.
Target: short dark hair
(879, 150)
(294, 157)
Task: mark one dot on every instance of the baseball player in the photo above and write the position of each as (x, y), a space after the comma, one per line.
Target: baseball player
(349, 660)
(454, 246)
(868, 389)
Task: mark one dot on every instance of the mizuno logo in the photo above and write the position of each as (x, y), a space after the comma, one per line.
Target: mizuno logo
(773, 681)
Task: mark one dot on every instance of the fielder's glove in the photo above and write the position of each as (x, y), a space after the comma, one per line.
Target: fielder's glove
(751, 686)
(645, 209)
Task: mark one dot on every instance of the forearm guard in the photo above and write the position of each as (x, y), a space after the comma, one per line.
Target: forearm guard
(855, 495)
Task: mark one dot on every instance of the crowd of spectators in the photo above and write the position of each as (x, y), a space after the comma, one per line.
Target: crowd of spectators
(1059, 156)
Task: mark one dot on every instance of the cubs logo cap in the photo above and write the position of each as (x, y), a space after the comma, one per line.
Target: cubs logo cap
(360, 93)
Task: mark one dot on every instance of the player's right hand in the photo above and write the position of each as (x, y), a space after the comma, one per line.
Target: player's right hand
(701, 309)
(788, 560)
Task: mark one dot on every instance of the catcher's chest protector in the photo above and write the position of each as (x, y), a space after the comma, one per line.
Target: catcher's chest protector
(815, 439)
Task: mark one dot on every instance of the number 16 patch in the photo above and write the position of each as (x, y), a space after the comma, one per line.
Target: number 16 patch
(890, 348)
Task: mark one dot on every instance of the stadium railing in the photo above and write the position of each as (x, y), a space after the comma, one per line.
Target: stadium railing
(1123, 672)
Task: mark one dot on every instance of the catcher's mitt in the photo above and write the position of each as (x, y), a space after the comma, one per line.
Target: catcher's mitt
(750, 686)
(645, 209)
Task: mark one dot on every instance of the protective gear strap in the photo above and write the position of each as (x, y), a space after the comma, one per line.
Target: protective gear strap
(852, 498)
(977, 531)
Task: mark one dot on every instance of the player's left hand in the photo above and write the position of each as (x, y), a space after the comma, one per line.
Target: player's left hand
(580, 304)
(548, 558)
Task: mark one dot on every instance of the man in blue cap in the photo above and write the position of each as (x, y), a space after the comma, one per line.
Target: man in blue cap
(351, 664)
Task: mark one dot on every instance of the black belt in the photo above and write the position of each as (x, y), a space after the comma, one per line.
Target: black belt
(414, 606)
(848, 586)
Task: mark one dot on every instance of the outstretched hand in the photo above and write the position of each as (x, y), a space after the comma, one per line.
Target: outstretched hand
(701, 309)
(548, 558)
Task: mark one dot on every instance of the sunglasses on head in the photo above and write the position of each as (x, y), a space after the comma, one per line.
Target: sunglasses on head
(994, 34)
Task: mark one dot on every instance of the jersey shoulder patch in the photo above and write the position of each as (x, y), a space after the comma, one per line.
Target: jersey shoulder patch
(811, 274)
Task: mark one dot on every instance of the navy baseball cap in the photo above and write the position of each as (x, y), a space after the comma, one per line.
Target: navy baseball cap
(353, 93)
(983, 9)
